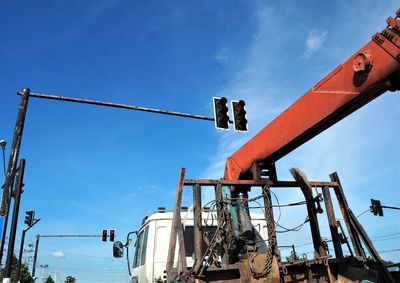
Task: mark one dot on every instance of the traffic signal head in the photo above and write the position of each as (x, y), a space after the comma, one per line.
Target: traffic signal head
(104, 235)
(29, 217)
(221, 113)
(376, 207)
(239, 116)
(112, 235)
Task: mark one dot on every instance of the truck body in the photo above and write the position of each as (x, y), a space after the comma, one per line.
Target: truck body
(151, 247)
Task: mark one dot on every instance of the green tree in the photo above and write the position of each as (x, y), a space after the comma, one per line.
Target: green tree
(25, 276)
(293, 257)
(49, 280)
(70, 279)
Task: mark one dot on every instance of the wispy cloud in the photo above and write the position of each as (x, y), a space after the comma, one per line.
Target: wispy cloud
(59, 254)
(222, 56)
(345, 147)
(91, 16)
(314, 42)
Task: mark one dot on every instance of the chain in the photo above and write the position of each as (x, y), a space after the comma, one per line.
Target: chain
(271, 240)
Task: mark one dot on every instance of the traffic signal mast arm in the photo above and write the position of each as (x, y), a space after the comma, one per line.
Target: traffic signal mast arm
(371, 71)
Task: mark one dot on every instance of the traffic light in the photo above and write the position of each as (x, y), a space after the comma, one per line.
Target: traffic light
(239, 116)
(29, 217)
(221, 113)
(104, 235)
(112, 235)
(376, 207)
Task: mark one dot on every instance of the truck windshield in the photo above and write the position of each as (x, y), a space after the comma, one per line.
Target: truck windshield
(140, 252)
(188, 235)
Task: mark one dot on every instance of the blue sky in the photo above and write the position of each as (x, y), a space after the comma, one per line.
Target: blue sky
(90, 168)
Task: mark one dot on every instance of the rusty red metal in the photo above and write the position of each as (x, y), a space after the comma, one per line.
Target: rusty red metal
(363, 77)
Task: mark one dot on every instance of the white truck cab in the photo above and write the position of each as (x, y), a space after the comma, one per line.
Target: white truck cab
(151, 248)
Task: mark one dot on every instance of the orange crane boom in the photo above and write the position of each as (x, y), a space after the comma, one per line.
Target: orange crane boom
(371, 71)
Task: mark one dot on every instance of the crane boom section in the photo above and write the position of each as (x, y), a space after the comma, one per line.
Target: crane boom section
(371, 71)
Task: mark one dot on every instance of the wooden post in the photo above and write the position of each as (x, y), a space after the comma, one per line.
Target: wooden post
(176, 229)
(332, 222)
(198, 229)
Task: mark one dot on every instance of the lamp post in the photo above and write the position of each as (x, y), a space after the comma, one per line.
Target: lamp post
(3, 144)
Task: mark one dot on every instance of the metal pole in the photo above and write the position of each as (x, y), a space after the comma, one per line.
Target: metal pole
(390, 207)
(12, 164)
(3, 236)
(3, 144)
(16, 144)
(35, 257)
(119, 105)
(21, 248)
(14, 222)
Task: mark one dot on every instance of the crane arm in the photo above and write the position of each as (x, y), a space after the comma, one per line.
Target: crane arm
(371, 71)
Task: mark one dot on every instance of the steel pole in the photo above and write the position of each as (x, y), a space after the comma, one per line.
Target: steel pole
(4, 161)
(14, 222)
(3, 237)
(35, 257)
(119, 105)
(21, 248)
(12, 164)
(16, 144)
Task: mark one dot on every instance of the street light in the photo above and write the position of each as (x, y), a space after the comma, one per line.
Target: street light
(3, 144)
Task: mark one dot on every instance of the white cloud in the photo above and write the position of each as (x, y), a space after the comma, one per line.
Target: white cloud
(357, 148)
(58, 254)
(314, 42)
(222, 56)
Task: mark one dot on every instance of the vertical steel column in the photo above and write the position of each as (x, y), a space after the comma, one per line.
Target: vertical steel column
(332, 222)
(176, 230)
(12, 164)
(13, 230)
(35, 256)
(198, 226)
(21, 249)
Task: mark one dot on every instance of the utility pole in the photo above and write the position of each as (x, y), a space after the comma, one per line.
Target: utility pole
(22, 247)
(29, 250)
(56, 236)
(3, 144)
(12, 165)
(44, 267)
(35, 256)
(13, 230)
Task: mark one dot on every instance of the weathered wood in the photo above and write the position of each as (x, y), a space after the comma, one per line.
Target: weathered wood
(176, 230)
(332, 222)
(312, 215)
(358, 249)
(198, 229)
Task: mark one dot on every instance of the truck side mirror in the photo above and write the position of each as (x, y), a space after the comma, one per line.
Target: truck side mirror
(118, 249)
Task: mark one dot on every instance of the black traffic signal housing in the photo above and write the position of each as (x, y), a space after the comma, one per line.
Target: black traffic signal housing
(29, 217)
(104, 235)
(112, 235)
(221, 113)
(376, 207)
(239, 116)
